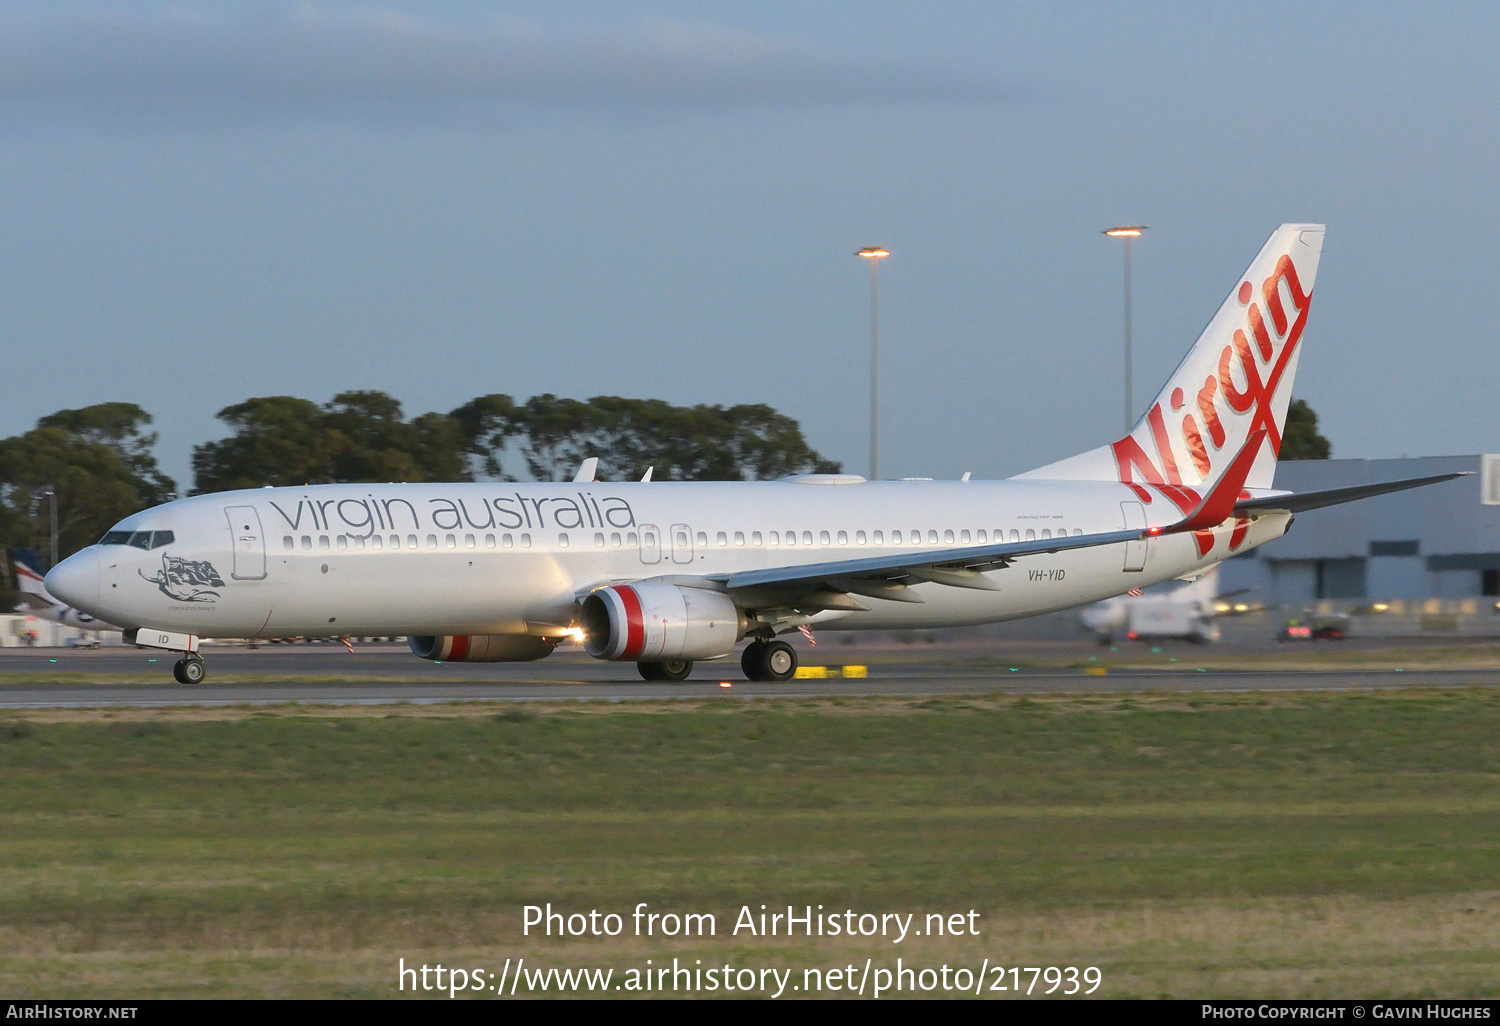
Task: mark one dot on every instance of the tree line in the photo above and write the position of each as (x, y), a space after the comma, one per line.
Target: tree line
(101, 464)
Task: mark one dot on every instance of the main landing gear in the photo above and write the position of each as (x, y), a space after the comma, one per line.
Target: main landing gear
(190, 669)
(769, 660)
(667, 669)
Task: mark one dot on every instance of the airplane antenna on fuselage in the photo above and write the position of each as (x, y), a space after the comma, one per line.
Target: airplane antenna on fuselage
(647, 475)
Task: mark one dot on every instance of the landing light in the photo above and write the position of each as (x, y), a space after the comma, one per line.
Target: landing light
(1380, 607)
(725, 684)
(576, 633)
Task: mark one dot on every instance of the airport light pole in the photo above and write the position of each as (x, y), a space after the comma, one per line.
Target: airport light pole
(50, 492)
(874, 254)
(1128, 232)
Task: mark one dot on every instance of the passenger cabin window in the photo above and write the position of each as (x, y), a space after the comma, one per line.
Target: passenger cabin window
(306, 543)
(932, 537)
(1046, 533)
(775, 538)
(1015, 535)
(525, 541)
(895, 537)
(739, 537)
(822, 537)
(411, 541)
(468, 541)
(722, 538)
(1030, 535)
(964, 537)
(754, 537)
(288, 543)
(323, 541)
(598, 541)
(508, 541)
(614, 540)
(879, 538)
(948, 537)
(807, 537)
(450, 541)
(630, 539)
(489, 541)
(377, 542)
(702, 539)
(859, 537)
(982, 537)
(432, 541)
(791, 537)
(343, 541)
(562, 540)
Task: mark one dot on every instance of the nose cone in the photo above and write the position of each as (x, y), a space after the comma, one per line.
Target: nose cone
(76, 580)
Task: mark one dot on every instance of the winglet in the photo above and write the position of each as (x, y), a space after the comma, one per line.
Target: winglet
(1218, 505)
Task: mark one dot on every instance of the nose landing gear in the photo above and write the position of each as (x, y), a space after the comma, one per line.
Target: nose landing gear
(190, 669)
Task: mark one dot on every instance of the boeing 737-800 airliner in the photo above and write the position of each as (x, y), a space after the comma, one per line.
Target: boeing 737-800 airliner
(662, 574)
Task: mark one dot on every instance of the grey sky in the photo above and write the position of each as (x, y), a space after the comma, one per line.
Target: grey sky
(203, 203)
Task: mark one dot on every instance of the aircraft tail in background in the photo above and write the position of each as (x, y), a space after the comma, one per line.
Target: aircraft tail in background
(29, 575)
(1234, 382)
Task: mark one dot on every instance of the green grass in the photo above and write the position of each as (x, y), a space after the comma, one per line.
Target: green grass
(1254, 844)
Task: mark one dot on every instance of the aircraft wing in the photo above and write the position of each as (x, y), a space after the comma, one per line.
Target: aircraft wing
(885, 576)
(1298, 502)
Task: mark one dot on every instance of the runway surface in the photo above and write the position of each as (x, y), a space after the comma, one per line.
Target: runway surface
(379, 674)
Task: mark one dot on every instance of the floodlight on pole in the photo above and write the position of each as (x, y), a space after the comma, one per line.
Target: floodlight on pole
(874, 255)
(1128, 232)
(49, 492)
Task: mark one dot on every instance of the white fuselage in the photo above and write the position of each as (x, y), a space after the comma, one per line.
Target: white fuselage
(497, 558)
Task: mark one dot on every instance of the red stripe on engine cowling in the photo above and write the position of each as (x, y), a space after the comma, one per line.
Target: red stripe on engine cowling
(635, 627)
(459, 650)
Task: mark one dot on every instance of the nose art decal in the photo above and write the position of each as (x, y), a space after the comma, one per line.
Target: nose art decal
(186, 580)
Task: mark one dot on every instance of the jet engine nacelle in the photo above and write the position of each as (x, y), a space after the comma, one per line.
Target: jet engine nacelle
(483, 648)
(654, 622)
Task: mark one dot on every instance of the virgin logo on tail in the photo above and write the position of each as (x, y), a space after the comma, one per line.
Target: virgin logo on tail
(1233, 403)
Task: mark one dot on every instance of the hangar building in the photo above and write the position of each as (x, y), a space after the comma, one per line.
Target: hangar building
(1438, 542)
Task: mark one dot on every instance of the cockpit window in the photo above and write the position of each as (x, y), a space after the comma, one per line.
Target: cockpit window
(140, 540)
(115, 538)
(161, 538)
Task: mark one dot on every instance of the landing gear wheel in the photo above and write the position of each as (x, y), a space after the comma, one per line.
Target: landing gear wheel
(190, 670)
(668, 669)
(769, 660)
(778, 661)
(676, 669)
(750, 660)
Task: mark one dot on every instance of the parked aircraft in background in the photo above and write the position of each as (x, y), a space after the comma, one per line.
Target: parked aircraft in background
(1186, 612)
(30, 581)
(662, 574)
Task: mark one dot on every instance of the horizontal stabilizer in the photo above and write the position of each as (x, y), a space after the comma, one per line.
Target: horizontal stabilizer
(1299, 502)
